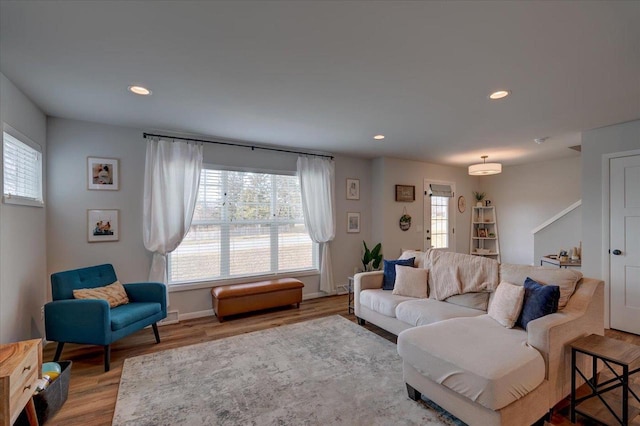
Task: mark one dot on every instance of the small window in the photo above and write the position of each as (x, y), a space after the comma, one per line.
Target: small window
(22, 165)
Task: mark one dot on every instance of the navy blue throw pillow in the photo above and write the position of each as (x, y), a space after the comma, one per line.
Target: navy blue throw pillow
(390, 271)
(539, 300)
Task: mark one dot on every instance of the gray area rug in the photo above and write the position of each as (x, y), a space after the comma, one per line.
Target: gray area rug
(328, 371)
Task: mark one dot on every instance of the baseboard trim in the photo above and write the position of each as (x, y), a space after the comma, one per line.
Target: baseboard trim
(316, 295)
(197, 314)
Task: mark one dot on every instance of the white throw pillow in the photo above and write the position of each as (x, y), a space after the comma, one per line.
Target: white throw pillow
(411, 282)
(507, 304)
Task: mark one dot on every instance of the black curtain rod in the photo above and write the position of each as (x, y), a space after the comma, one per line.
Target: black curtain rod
(146, 135)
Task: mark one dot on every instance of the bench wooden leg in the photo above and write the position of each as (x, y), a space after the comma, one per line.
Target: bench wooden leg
(298, 305)
(413, 393)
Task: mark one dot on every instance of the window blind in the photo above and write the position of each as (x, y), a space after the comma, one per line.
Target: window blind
(22, 164)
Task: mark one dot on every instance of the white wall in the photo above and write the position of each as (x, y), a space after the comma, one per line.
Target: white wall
(595, 145)
(389, 172)
(71, 142)
(527, 195)
(565, 233)
(22, 232)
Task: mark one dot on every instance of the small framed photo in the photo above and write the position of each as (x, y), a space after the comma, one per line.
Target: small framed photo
(353, 222)
(103, 225)
(482, 233)
(353, 189)
(102, 173)
(405, 193)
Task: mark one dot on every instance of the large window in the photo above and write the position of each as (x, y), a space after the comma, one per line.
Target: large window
(22, 164)
(244, 224)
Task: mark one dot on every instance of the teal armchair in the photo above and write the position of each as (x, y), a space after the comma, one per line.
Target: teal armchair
(94, 322)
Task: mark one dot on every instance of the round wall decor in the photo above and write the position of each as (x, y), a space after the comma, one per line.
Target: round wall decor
(462, 204)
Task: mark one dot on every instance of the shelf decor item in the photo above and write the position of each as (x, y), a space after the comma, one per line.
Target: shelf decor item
(405, 193)
(102, 173)
(479, 196)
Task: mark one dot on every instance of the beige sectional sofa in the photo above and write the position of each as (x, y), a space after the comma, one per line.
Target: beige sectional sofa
(465, 361)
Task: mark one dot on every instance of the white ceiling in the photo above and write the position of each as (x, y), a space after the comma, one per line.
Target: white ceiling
(329, 75)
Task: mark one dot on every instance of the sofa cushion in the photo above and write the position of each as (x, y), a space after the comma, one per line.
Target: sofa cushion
(382, 301)
(478, 300)
(539, 300)
(497, 368)
(389, 278)
(125, 315)
(411, 282)
(112, 293)
(566, 279)
(507, 304)
(427, 311)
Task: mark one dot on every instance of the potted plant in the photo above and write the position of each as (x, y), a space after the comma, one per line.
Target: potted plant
(479, 196)
(371, 259)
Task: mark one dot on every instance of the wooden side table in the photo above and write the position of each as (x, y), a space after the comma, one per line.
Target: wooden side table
(602, 404)
(20, 365)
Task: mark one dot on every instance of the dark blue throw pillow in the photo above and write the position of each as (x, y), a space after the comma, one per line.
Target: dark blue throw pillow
(539, 300)
(390, 271)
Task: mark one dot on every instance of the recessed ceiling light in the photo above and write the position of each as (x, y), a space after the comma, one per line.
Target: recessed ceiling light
(499, 94)
(378, 137)
(139, 90)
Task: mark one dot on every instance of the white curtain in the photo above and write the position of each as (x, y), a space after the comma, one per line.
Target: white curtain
(317, 184)
(171, 180)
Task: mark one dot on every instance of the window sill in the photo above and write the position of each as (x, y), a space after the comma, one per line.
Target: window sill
(175, 288)
(20, 201)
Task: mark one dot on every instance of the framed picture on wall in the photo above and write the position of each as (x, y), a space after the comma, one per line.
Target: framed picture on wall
(353, 222)
(102, 173)
(353, 189)
(405, 193)
(103, 225)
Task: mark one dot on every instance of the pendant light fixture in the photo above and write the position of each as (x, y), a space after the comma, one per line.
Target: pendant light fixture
(485, 168)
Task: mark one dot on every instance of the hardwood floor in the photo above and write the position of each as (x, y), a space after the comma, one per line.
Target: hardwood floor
(92, 392)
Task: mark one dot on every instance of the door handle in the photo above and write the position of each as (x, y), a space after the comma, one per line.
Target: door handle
(616, 252)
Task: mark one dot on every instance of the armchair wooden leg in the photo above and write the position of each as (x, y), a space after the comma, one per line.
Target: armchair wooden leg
(361, 321)
(56, 357)
(155, 331)
(107, 358)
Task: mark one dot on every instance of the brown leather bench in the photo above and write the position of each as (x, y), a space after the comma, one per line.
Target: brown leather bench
(240, 298)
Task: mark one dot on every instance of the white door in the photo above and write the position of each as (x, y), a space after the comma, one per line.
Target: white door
(625, 243)
(439, 225)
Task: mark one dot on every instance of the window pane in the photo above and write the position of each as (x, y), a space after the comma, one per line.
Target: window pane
(295, 248)
(198, 256)
(249, 196)
(210, 196)
(288, 198)
(439, 222)
(250, 249)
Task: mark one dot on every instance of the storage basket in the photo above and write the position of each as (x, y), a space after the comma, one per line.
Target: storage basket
(50, 400)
